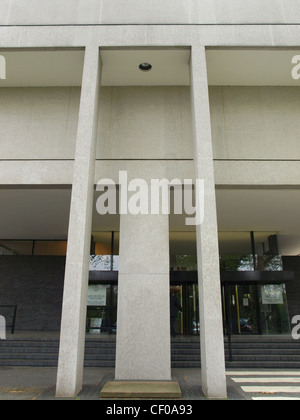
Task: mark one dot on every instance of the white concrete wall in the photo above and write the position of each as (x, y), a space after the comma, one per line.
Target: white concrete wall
(135, 123)
(16, 12)
(145, 123)
(151, 123)
(255, 122)
(155, 123)
(39, 123)
(260, 35)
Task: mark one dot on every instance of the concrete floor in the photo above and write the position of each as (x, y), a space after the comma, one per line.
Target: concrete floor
(39, 384)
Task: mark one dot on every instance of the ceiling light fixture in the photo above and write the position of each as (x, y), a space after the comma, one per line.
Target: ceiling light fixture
(145, 67)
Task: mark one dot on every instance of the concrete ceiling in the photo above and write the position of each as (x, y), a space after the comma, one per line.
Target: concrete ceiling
(34, 213)
(250, 67)
(170, 67)
(259, 209)
(34, 68)
(264, 67)
(44, 213)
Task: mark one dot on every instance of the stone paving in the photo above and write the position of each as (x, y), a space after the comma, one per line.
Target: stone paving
(39, 384)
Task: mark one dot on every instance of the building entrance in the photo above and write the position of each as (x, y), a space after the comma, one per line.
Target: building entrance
(187, 322)
(241, 309)
(249, 307)
(253, 303)
(258, 308)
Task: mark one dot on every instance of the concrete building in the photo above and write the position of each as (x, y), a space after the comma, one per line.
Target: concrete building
(202, 90)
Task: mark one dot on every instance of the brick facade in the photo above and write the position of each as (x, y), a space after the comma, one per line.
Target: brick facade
(35, 284)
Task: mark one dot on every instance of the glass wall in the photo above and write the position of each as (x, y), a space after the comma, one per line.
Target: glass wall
(260, 306)
(183, 251)
(41, 248)
(240, 305)
(251, 304)
(249, 251)
(101, 254)
(239, 251)
(187, 322)
(102, 308)
(273, 309)
(235, 251)
(265, 248)
(103, 295)
(255, 306)
(104, 251)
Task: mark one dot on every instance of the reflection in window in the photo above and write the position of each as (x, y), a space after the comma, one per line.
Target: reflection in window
(100, 260)
(267, 252)
(183, 253)
(186, 263)
(105, 251)
(58, 248)
(36, 248)
(16, 247)
(100, 263)
(116, 246)
(273, 309)
(102, 309)
(249, 251)
(235, 251)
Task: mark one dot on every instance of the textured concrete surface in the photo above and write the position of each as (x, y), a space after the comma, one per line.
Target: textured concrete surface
(39, 384)
(141, 389)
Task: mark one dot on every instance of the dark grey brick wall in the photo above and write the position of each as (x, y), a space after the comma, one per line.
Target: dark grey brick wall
(35, 284)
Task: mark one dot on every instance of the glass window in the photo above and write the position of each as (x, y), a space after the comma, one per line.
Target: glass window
(273, 309)
(235, 251)
(183, 252)
(105, 251)
(267, 252)
(16, 247)
(246, 306)
(55, 248)
(98, 295)
(100, 260)
(116, 251)
(102, 309)
(246, 251)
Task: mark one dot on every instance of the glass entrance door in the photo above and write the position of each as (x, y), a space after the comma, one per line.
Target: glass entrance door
(187, 322)
(241, 308)
(255, 309)
(247, 309)
(273, 309)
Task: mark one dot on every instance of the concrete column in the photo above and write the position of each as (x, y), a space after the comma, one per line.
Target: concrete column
(211, 324)
(72, 337)
(143, 333)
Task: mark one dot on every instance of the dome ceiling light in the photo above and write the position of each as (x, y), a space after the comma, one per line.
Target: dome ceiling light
(145, 66)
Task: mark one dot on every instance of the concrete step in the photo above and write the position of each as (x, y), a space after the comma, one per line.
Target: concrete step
(246, 352)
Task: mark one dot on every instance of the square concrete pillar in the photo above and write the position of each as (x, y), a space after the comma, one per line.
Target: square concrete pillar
(72, 336)
(211, 323)
(143, 333)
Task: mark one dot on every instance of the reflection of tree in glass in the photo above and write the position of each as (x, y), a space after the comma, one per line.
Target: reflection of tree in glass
(189, 262)
(272, 262)
(100, 262)
(266, 262)
(236, 263)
